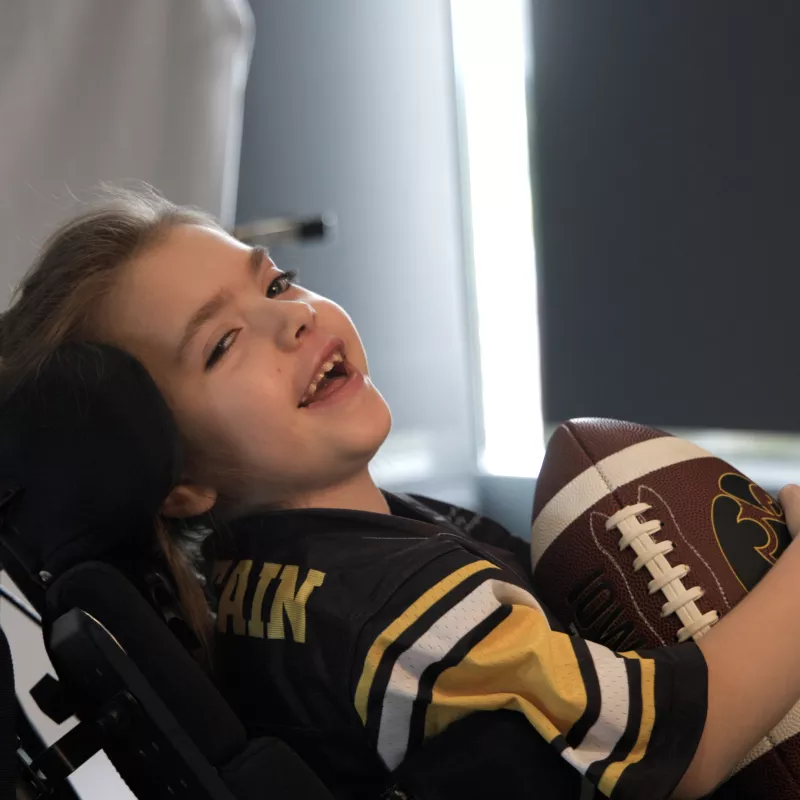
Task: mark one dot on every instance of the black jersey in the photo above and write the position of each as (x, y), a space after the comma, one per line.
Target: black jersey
(357, 636)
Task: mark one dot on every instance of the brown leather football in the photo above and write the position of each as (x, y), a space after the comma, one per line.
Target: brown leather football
(642, 539)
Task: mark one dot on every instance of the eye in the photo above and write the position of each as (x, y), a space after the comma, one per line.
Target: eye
(282, 283)
(221, 347)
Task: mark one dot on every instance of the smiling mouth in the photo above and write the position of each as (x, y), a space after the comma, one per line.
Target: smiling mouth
(332, 375)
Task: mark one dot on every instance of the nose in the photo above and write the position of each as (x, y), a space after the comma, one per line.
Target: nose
(297, 321)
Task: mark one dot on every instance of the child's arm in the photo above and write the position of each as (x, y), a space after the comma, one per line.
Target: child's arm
(461, 636)
(753, 658)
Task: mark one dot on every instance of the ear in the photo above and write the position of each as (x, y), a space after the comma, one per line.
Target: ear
(188, 500)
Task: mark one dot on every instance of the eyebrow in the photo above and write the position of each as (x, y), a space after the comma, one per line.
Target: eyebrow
(212, 307)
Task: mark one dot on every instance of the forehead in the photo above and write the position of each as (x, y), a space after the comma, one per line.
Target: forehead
(159, 291)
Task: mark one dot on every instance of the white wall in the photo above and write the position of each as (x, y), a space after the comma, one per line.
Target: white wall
(350, 107)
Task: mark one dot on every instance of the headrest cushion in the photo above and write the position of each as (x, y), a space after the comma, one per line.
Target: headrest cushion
(91, 445)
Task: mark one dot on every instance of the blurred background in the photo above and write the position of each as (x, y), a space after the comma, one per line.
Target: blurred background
(544, 209)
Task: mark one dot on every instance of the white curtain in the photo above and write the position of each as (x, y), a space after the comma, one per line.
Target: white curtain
(110, 90)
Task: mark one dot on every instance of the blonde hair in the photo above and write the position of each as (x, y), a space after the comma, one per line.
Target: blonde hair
(57, 302)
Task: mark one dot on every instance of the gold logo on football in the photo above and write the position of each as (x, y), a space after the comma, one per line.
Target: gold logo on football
(749, 527)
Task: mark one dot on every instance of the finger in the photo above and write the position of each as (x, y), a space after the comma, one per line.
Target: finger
(790, 500)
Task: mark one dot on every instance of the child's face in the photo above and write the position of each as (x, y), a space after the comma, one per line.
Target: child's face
(236, 388)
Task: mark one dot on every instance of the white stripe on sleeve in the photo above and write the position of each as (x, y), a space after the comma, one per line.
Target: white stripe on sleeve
(603, 736)
(432, 646)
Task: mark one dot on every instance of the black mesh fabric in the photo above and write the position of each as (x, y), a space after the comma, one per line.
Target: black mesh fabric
(269, 769)
(105, 594)
(485, 755)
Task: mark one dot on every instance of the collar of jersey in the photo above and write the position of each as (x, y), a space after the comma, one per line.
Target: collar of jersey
(409, 517)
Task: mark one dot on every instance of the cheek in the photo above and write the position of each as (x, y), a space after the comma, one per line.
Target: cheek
(335, 319)
(252, 413)
(236, 441)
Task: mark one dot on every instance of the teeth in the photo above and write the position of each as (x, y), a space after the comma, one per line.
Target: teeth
(336, 358)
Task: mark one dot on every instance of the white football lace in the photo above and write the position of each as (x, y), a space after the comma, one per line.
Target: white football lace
(637, 534)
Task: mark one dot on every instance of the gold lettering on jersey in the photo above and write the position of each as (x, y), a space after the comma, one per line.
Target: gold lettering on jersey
(232, 600)
(288, 602)
(291, 603)
(255, 627)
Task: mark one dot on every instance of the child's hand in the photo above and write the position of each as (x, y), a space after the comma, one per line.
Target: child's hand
(789, 498)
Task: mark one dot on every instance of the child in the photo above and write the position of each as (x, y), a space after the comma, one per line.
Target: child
(354, 623)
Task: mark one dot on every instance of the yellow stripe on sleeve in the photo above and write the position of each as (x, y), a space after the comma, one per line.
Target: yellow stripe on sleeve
(521, 665)
(391, 633)
(614, 771)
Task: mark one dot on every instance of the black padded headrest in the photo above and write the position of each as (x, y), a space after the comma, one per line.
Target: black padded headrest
(91, 446)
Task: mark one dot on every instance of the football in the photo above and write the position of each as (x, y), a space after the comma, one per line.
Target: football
(641, 539)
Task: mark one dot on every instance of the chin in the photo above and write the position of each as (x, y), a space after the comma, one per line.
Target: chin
(373, 430)
(368, 431)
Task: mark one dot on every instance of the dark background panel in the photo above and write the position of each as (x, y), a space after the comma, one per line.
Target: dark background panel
(666, 141)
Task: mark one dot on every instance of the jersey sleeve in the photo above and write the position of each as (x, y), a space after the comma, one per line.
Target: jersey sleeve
(474, 641)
